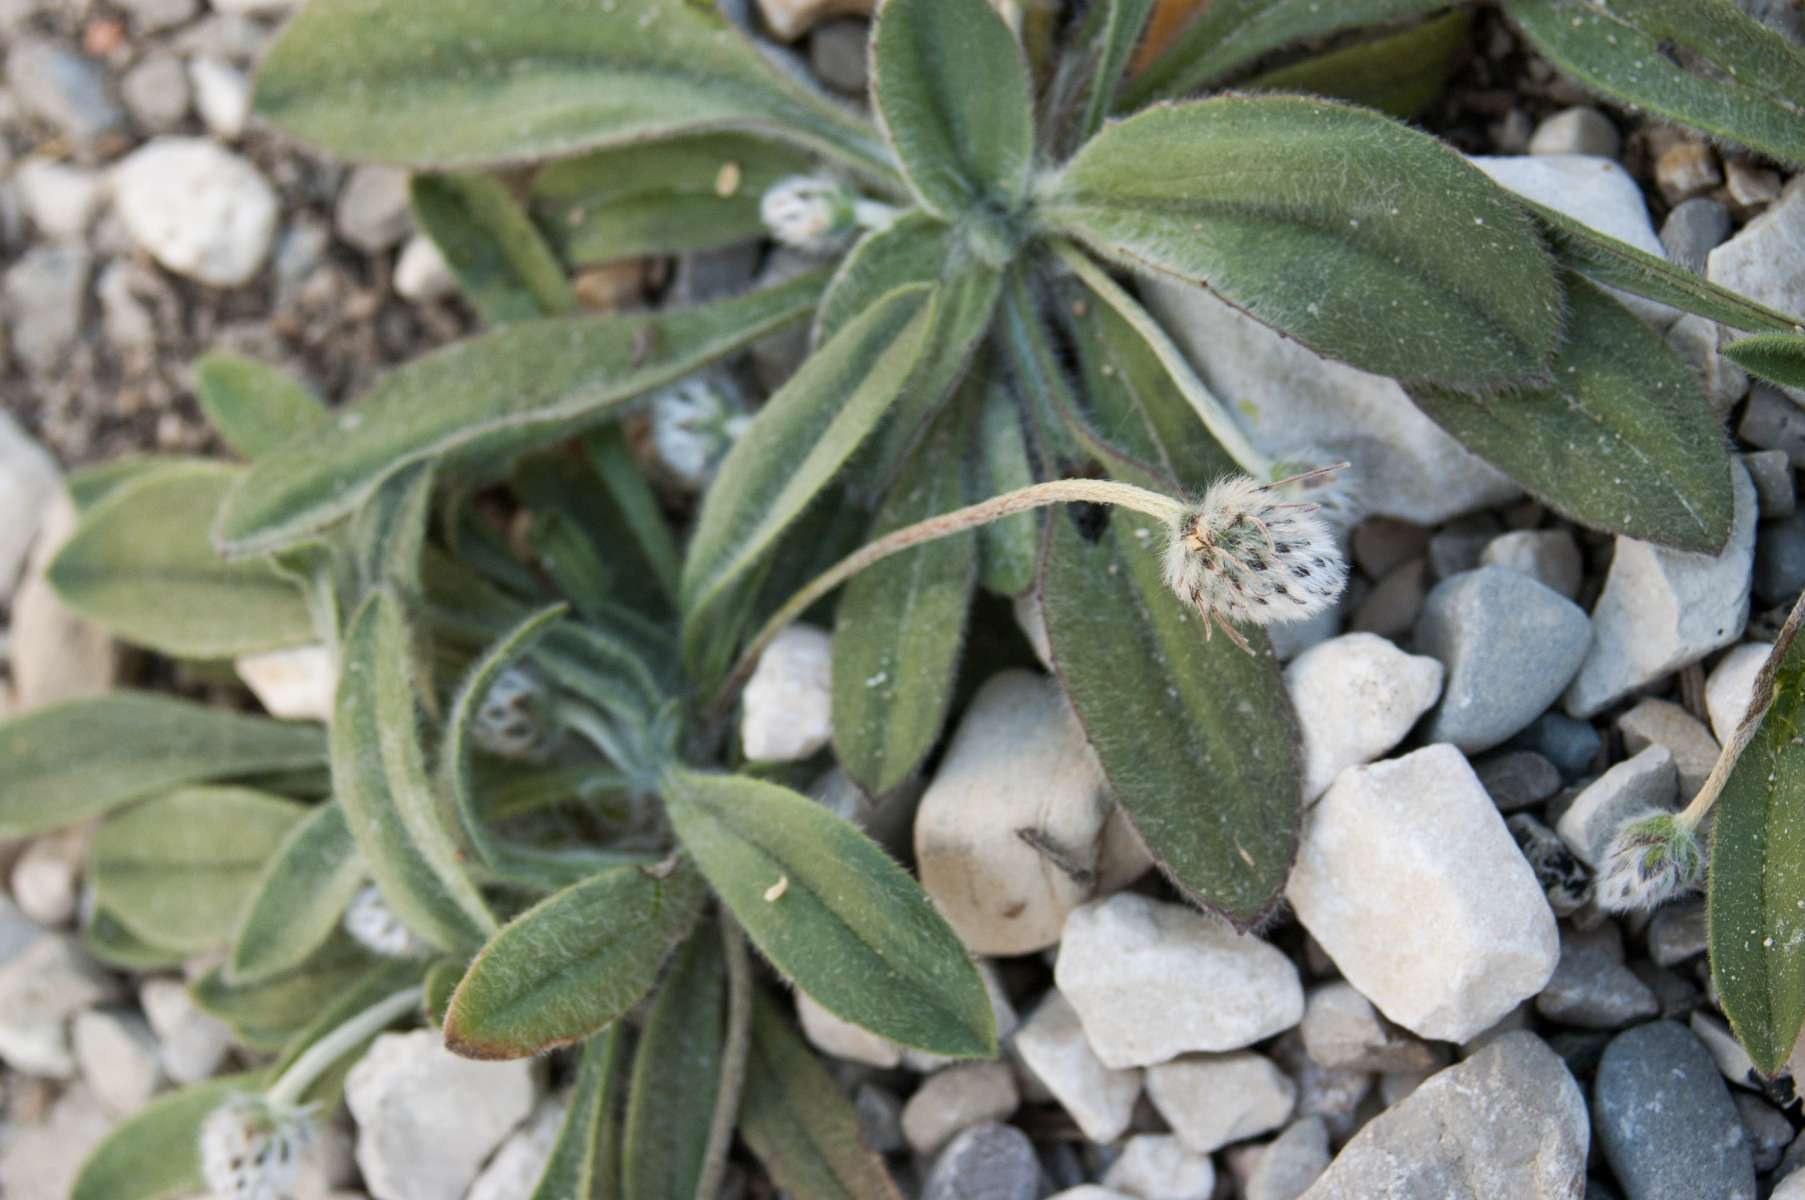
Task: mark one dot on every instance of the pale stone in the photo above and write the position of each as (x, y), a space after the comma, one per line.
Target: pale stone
(56, 655)
(222, 95)
(39, 1161)
(1577, 131)
(41, 988)
(1660, 723)
(197, 208)
(1548, 556)
(1151, 981)
(372, 211)
(1763, 261)
(1210, 1100)
(119, 1057)
(954, 1099)
(787, 707)
(1356, 696)
(421, 272)
(1731, 685)
(842, 1039)
(1156, 1166)
(1294, 1160)
(46, 880)
(788, 20)
(29, 486)
(1052, 1046)
(514, 1171)
(295, 684)
(1410, 881)
(1342, 1029)
(62, 200)
(1646, 780)
(194, 1043)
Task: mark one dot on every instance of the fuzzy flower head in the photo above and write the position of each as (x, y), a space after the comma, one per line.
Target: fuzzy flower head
(1653, 857)
(1244, 553)
(812, 213)
(251, 1149)
(510, 722)
(374, 926)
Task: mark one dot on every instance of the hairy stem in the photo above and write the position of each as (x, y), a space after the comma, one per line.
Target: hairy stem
(317, 1058)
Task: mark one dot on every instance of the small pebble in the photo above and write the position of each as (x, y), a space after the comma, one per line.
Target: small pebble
(1579, 130)
(787, 709)
(199, 209)
(372, 211)
(955, 1099)
(1664, 1119)
(1772, 422)
(1548, 556)
(1158, 1167)
(1291, 1163)
(1571, 745)
(986, 1162)
(1694, 229)
(1774, 485)
(1731, 685)
(1591, 987)
(157, 93)
(1517, 779)
(1659, 723)
(1356, 696)
(1644, 781)
(1677, 932)
(1052, 1046)
(1687, 170)
(1211, 1100)
(1780, 560)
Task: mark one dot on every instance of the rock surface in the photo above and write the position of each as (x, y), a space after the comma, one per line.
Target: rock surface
(197, 208)
(1052, 1046)
(1763, 262)
(1210, 1100)
(1295, 1160)
(955, 1099)
(986, 1162)
(1731, 685)
(1356, 696)
(787, 710)
(1156, 1166)
(1647, 780)
(1665, 1121)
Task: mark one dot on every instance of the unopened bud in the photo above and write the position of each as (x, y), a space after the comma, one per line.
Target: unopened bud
(1653, 857)
(813, 213)
(374, 926)
(252, 1149)
(510, 722)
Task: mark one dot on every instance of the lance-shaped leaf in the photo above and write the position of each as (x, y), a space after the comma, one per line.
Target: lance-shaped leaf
(1105, 47)
(833, 912)
(381, 980)
(1624, 441)
(1402, 73)
(140, 563)
(677, 1074)
(914, 248)
(794, 1117)
(84, 758)
(577, 1168)
(174, 870)
(950, 84)
(1365, 240)
(266, 1014)
(253, 406)
(501, 262)
(462, 83)
(532, 380)
(379, 776)
(899, 626)
(298, 897)
(571, 965)
(1778, 358)
(798, 443)
(1703, 63)
(1757, 879)
(155, 1153)
(1010, 548)
(106, 938)
(691, 193)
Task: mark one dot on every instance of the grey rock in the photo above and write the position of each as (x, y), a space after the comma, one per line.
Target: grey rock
(705, 275)
(1676, 995)
(1647, 780)
(1294, 1161)
(1780, 559)
(1694, 229)
(1564, 879)
(1510, 646)
(1548, 556)
(1054, 1052)
(1507, 1122)
(986, 1162)
(372, 211)
(119, 1057)
(1775, 488)
(880, 1118)
(194, 1043)
(1456, 546)
(1773, 422)
(41, 988)
(1338, 1095)
(1517, 778)
(1733, 1062)
(1158, 1167)
(231, 37)
(1571, 745)
(1341, 1028)
(60, 199)
(29, 485)
(66, 89)
(1591, 987)
(1580, 130)
(44, 292)
(1697, 341)
(154, 16)
(1769, 1132)
(157, 93)
(1665, 1120)
(1677, 932)
(39, 1161)
(1762, 261)
(836, 52)
(1381, 544)
(1660, 723)
(1211, 1100)
(1392, 607)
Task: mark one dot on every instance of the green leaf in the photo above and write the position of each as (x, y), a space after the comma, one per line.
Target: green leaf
(900, 625)
(103, 936)
(577, 1165)
(298, 897)
(611, 455)
(690, 193)
(84, 758)
(832, 912)
(1361, 238)
(141, 565)
(461, 83)
(379, 775)
(90, 485)
(950, 84)
(1196, 737)
(1122, 24)
(797, 444)
(1777, 358)
(154, 1154)
(535, 378)
(255, 407)
(1010, 548)
(1231, 34)
(501, 263)
(1703, 63)
(914, 248)
(1604, 259)
(797, 1122)
(1403, 74)
(1757, 874)
(174, 870)
(677, 1074)
(1625, 440)
(571, 965)
(388, 533)
(382, 979)
(265, 1015)
(436, 990)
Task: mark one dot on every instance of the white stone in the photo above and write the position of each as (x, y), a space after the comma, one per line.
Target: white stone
(62, 200)
(194, 1042)
(1052, 1047)
(1733, 1062)
(1663, 609)
(426, 1119)
(956, 1098)
(1645, 780)
(41, 988)
(842, 1039)
(421, 272)
(1577, 131)
(1018, 761)
(1151, 981)
(790, 19)
(197, 208)
(1210, 1100)
(1763, 261)
(296, 684)
(29, 485)
(787, 710)
(1696, 340)
(1292, 400)
(39, 1161)
(56, 655)
(1731, 685)
(222, 95)
(1411, 883)
(47, 877)
(1548, 556)
(372, 211)
(1791, 1188)
(1156, 1166)
(1356, 697)
(514, 1171)
(1661, 723)
(119, 1057)
(1342, 1030)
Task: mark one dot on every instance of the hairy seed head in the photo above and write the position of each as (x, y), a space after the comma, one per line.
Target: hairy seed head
(251, 1149)
(1653, 857)
(811, 213)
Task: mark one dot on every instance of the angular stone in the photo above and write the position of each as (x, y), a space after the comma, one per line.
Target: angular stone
(1211, 1100)
(1572, 746)
(1394, 840)
(1548, 556)
(1763, 261)
(39, 1161)
(986, 1162)
(1342, 1029)
(194, 1043)
(197, 208)
(1591, 987)
(1156, 1166)
(1775, 492)
(41, 988)
(1694, 229)
(119, 1057)
(421, 272)
(1660, 723)
(222, 96)
(1391, 608)
(1662, 609)
(1517, 779)
(1151, 981)
(1356, 696)
(1677, 932)
(1733, 1062)
(1697, 341)
(295, 684)
(1686, 170)
(1295, 1160)
(1665, 1121)
(46, 879)
(514, 1171)
(956, 1098)
(1052, 1046)
(1768, 1130)
(1578, 130)
(1338, 1095)
(1731, 685)
(787, 707)
(1647, 780)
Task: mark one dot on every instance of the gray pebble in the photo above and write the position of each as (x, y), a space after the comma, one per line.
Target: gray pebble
(1665, 1121)
(1517, 778)
(1772, 422)
(1677, 932)
(1775, 489)
(1291, 1163)
(836, 52)
(985, 1162)
(1591, 987)
(1780, 559)
(1768, 1130)
(157, 92)
(1456, 546)
(152, 16)
(372, 211)
(43, 293)
(64, 88)
(1569, 743)
(1644, 781)
(705, 275)
(1676, 994)
(1694, 229)
(880, 1118)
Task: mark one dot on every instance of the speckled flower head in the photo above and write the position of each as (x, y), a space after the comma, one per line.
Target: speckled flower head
(373, 924)
(251, 1149)
(510, 723)
(1245, 554)
(812, 213)
(1653, 857)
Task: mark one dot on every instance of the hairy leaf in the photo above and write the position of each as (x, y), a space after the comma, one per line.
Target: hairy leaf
(677, 1075)
(1115, 30)
(140, 564)
(542, 379)
(571, 965)
(107, 939)
(266, 1014)
(1778, 358)
(462, 83)
(831, 911)
(576, 1169)
(298, 897)
(382, 979)
(502, 264)
(914, 248)
(1010, 548)
(155, 1153)
(255, 407)
(1402, 74)
(1624, 441)
(83, 758)
(1366, 240)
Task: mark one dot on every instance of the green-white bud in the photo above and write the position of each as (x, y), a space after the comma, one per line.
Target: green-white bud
(252, 1149)
(374, 926)
(816, 214)
(1653, 857)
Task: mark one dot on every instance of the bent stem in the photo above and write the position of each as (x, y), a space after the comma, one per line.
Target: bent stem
(1209, 410)
(1039, 495)
(314, 1062)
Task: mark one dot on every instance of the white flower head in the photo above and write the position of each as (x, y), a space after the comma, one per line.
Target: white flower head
(812, 213)
(1653, 857)
(1244, 553)
(695, 421)
(374, 926)
(509, 722)
(252, 1149)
